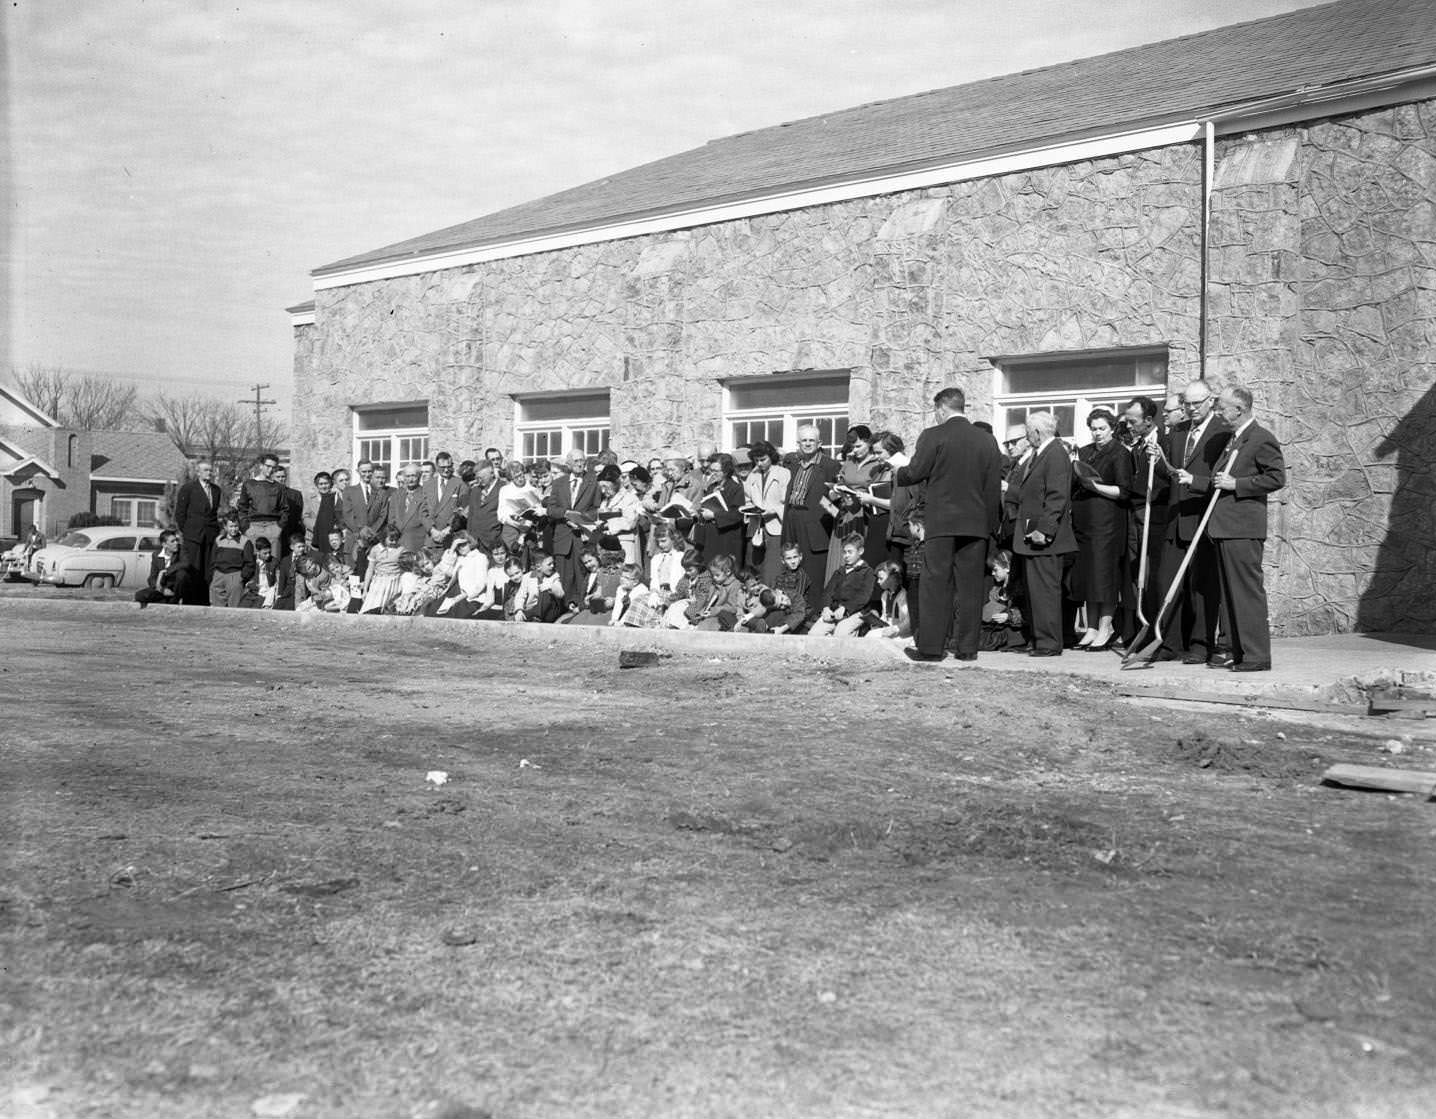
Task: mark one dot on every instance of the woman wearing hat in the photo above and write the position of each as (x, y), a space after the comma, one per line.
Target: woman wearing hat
(618, 513)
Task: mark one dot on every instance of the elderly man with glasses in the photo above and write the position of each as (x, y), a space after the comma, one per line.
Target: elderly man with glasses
(1192, 450)
(807, 513)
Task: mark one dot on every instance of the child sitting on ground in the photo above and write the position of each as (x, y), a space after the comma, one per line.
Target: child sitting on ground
(630, 591)
(694, 583)
(847, 594)
(792, 597)
(1001, 619)
(890, 618)
(601, 576)
(722, 605)
(539, 597)
(913, 563)
(757, 599)
(314, 587)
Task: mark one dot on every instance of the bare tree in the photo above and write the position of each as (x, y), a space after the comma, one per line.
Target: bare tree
(79, 400)
(214, 431)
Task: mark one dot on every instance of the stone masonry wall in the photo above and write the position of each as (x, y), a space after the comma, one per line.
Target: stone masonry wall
(1323, 301)
(1322, 298)
(909, 292)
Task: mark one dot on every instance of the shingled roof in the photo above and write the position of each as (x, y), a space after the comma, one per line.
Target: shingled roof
(1194, 77)
(135, 455)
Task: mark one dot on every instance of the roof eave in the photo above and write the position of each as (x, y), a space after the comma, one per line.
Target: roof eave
(1293, 106)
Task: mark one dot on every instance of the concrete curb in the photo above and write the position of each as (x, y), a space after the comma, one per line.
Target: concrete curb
(1344, 668)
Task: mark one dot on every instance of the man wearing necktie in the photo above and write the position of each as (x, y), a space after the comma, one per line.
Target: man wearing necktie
(1252, 468)
(363, 508)
(1192, 451)
(196, 516)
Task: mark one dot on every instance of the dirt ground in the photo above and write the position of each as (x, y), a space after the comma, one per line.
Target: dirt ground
(736, 886)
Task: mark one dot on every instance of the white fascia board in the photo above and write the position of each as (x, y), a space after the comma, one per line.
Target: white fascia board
(44, 419)
(1094, 148)
(132, 481)
(38, 463)
(302, 318)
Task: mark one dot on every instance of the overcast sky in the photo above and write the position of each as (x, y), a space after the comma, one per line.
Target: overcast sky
(177, 167)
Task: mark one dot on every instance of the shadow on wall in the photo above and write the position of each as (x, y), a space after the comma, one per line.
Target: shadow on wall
(1401, 595)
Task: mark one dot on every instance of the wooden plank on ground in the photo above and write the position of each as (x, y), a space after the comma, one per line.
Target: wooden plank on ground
(1413, 707)
(1237, 699)
(1417, 781)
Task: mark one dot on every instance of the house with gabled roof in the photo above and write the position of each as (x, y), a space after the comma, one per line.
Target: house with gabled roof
(1253, 204)
(49, 472)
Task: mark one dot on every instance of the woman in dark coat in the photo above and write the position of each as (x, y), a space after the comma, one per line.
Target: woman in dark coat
(718, 526)
(1102, 478)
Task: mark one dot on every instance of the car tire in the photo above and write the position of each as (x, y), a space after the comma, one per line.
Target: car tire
(99, 582)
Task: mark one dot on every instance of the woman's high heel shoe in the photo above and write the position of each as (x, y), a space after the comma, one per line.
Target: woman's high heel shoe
(1087, 639)
(1102, 645)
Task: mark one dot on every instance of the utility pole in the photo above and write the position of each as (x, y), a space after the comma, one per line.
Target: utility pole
(259, 405)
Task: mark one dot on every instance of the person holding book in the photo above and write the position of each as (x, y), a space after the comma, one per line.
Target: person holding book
(859, 471)
(763, 492)
(718, 516)
(520, 507)
(617, 514)
(807, 511)
(887, 503)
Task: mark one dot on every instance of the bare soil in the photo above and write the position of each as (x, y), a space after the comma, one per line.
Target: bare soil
(739, 886)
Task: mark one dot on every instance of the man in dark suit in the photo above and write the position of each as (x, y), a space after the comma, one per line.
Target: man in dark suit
(447, 495)
(1192, 449)
(362, 510)
(409, 511)
(1145, 431)
(960, 469)
(483, 507)
(1042, 532)
(197, 520)
(1251, 468)
(292, 521)
(808, 514)
(574, 494)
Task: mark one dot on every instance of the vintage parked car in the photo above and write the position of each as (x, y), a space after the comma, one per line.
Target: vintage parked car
(98, 557)
(12, 556)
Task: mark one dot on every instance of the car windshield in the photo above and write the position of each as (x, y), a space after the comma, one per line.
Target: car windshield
(75, 540)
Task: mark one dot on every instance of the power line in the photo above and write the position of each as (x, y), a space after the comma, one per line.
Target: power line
(259, 405)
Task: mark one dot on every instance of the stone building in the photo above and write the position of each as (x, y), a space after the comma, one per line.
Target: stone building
(1255, 203)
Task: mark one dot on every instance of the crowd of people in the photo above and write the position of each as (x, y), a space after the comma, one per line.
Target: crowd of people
(1031, 545)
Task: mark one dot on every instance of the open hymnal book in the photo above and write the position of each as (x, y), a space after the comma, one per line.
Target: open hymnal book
(678, 506)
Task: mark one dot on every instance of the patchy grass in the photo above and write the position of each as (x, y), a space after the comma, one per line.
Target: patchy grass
(709, 888)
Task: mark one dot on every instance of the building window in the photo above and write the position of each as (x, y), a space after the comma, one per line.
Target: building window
(551, 425)
(391, 435)
(72, 448)
(137, 512)
(772, 408)
(1071, 385)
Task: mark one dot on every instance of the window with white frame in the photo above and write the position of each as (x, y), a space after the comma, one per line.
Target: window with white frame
(550, 425)
(773, 407)
(137, 512)
(391, 435)
(1071, 385)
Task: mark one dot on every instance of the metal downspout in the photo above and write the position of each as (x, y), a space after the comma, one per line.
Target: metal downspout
(1208, 171)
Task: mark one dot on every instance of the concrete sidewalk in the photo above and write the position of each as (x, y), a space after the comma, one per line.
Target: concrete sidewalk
(1339, 669)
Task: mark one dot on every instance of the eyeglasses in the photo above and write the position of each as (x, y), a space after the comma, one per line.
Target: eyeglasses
(1194, 403)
